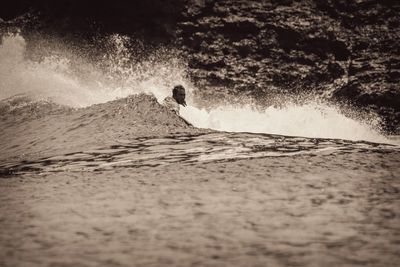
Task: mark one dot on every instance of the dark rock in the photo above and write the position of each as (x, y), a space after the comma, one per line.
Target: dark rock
(245, 47)
(303, 45)
(378, 98)
(340, 50)
(335, 70)
(153, 20)
(206, 62)
(287, 38)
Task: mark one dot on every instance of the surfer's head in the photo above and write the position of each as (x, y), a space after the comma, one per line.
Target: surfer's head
(179, 94)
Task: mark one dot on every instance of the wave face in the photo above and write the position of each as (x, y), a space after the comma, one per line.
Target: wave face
(70, 79)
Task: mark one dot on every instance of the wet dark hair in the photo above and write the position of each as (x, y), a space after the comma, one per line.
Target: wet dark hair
(177, 88)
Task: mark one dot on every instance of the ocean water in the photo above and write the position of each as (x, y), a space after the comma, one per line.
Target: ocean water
(64, 80)
(97, 172)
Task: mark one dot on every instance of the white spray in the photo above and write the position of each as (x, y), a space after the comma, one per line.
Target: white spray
(56, 78)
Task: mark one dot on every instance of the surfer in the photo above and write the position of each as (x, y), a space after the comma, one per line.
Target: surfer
(178, 98)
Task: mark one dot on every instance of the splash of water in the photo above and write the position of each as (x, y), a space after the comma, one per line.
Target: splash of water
(81, 83)
(78, 82)
(310, 120)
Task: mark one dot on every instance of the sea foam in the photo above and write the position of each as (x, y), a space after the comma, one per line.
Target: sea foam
(70, 79)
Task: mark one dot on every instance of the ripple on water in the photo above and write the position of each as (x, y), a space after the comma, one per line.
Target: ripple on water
(190, 149)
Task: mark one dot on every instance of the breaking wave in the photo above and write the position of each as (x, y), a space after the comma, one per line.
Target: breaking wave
(309, 120)
(69, 79)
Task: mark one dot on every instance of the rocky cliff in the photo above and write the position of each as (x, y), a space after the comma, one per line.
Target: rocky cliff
(341, 50)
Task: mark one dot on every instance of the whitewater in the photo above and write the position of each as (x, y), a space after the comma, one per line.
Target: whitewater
(67, 78)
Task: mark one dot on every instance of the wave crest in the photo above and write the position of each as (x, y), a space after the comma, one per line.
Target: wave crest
(67, 78)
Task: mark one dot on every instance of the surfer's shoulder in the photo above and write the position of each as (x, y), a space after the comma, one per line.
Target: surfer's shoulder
(171, 104)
